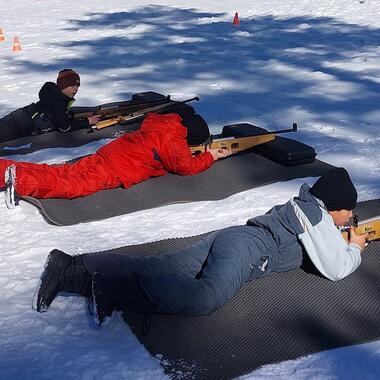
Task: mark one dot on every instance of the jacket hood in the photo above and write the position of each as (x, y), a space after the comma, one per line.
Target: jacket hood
(308, 199)
(168, 122)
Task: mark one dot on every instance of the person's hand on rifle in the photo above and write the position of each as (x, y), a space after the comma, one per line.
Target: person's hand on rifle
(360, 240)
(219, 153)
(92, 120)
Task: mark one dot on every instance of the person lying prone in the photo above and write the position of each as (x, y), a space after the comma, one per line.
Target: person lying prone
(204, 276)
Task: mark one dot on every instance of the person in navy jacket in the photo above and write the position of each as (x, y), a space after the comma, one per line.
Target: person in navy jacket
(50, 113)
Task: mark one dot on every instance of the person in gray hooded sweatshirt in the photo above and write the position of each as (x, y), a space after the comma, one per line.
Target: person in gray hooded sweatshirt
(202, 277)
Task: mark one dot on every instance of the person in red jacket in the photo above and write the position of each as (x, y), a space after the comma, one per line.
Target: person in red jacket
(158, 147)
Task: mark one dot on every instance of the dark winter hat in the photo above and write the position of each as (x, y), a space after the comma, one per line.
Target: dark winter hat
(67, 78)
(336, 190)
(197, 129)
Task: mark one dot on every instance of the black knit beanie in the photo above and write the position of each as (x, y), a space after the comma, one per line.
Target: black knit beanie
(197, 129)
(67, 78)
(336, 190)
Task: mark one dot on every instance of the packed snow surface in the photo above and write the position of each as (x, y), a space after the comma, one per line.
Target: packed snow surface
(316, 63)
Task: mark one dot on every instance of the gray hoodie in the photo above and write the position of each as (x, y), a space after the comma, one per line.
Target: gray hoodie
(307, 218)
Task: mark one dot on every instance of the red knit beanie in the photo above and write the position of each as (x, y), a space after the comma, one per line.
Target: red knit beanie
(67, 78)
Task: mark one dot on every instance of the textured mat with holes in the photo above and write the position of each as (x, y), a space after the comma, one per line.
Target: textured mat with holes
(277, 318)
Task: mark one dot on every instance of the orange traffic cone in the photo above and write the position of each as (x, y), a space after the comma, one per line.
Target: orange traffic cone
(16, 44)
(1, 35)
(236, 19)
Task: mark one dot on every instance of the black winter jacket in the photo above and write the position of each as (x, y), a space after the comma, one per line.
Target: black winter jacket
(48, 114)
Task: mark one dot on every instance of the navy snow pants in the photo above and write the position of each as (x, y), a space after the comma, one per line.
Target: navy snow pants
(200, 278)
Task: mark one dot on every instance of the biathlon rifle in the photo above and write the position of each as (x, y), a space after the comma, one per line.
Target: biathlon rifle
(370, 226)
(238, 144)
(112, 110)
(122, 119)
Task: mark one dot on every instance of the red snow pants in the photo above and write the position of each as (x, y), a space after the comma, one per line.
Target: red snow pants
(85, 176)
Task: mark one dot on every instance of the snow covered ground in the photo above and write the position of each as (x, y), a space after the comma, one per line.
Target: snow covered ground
(313, 62)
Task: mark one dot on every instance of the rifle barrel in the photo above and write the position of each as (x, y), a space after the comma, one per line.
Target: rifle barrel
(112, 110)
(294, 129)
(140, 113)
(159, 108)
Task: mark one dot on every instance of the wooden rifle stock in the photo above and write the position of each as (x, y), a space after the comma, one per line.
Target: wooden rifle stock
(238, 144)
(233, 144)
(139, 114)
(370, 226)
(113, 111)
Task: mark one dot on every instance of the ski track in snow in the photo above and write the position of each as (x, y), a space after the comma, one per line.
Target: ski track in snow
(313, 62)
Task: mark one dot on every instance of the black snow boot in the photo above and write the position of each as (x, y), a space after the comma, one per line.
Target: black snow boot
(115, 293)
(62, 273)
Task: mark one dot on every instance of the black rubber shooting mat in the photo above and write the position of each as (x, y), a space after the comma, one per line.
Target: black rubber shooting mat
(29, 144)
(280, 317)
(232, 175)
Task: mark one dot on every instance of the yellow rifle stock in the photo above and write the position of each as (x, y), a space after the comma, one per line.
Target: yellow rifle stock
(370, 226)
(234, 144)
(239, 143)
